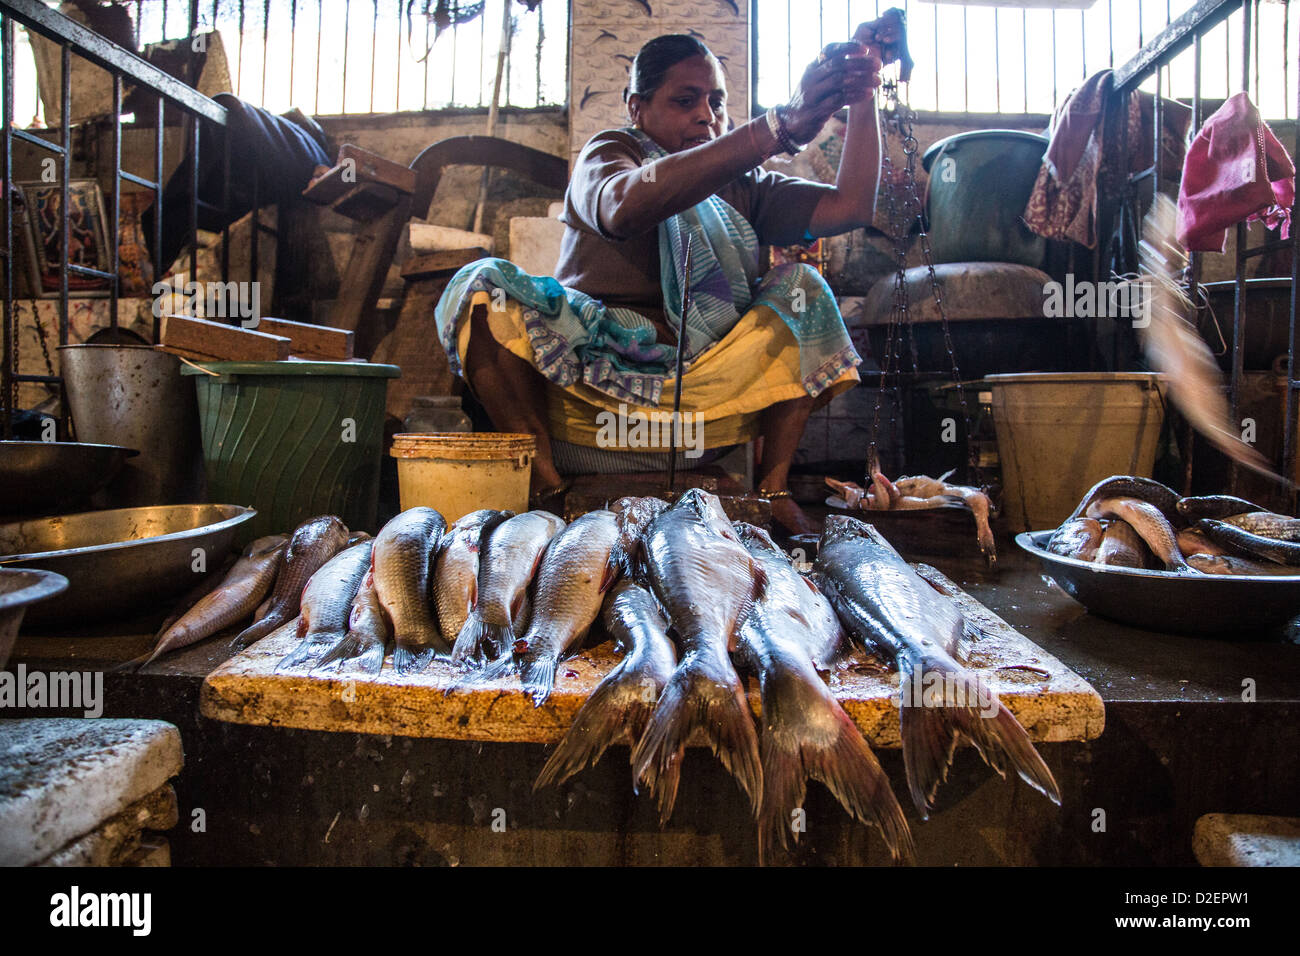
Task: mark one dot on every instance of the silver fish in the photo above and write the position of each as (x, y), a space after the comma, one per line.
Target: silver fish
(367, 636)
(313, 543)
(507, 562)
(889, 608)
(455, 575)
(402, 563)
(620, 706)
(707, 583)
(326, 602)
(805, 731)
(568, 589)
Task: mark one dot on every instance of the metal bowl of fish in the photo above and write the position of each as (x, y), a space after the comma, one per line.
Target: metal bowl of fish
(121, 560)
(1208, 604)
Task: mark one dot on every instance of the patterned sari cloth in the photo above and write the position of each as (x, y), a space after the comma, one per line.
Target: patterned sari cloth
(578, 341)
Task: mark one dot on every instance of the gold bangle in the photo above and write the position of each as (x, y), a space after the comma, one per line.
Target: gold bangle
(774, 495)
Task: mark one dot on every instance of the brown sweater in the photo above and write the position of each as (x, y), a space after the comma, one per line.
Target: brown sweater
(626, 272)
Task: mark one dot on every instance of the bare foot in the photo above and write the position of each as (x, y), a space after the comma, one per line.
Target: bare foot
(790, 518)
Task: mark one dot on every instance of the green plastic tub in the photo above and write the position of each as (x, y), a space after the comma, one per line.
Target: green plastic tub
(294, 439)
(979, 184)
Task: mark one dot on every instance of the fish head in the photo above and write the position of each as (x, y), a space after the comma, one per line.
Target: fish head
(839, 527)
(757, 540)
(708, 508)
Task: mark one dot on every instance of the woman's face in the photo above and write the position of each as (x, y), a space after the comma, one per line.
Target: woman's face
(688, 109)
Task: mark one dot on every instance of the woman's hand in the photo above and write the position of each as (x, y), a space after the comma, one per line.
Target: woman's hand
(843, 74)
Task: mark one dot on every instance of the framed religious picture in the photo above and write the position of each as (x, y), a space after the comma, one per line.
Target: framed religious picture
(88, 238)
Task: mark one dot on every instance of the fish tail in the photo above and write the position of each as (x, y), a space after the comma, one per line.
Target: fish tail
(538, 677)
(369, 659)
(702, 695)
(135, 663)
(496, 670)
(618, 709)
(412, 660)
(479, 642)
(806, 734)
(955, 704)
(308, 648)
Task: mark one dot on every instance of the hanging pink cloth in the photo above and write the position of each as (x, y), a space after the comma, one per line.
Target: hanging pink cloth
(1235, 170)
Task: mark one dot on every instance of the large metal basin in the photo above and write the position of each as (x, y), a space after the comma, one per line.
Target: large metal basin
(17, 590)
(40, 476)
(1218, 605)
(123, 560)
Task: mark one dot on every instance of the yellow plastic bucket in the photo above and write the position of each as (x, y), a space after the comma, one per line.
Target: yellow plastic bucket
(1061, 433)
(460, 472)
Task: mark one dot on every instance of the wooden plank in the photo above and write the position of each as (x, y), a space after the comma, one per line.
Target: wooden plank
(366, 202)
(1051, 701)
(425, 370)
(216, 340)
(441, 263)
(311, 341)
(357, 166)
(367, 268)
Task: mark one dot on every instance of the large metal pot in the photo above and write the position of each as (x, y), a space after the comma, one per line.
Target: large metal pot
(45, 477)
(134, 395)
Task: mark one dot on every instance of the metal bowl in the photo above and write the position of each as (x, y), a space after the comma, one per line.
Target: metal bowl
(17, 590)
(1211, 604)
(40, 476)
(121, 560)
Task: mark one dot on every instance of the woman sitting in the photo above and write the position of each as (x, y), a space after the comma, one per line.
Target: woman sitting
(560, 358)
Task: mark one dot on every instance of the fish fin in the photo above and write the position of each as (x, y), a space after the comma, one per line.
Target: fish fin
(408, 660)
(135, 663)
(931, 732)
(479, 642)
(257, 631)
(806, 734)
(368, 655)
(538, 677)
(704, 695)
(611, 572)
(618, 709)
(309, 648)
(760, 579)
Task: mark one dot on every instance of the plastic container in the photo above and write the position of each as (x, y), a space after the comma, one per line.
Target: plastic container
(979, 184)
(457, 473)
(1061, 433)
(294, 439)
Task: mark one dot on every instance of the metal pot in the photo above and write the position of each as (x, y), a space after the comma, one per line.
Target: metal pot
(134, 395)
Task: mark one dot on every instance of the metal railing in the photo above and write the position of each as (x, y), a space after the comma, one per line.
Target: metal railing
(1153, 62)
(336, 57)
(986, 59)
(124, 66)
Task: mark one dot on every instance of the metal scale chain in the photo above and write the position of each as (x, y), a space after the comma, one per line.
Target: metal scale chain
(904, 205)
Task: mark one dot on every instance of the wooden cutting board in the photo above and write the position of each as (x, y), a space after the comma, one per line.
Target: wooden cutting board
(1051, 701)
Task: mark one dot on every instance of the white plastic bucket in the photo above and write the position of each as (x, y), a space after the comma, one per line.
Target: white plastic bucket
(460, 472)
(1061, 433)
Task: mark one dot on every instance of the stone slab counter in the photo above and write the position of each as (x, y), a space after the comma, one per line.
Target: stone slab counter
(63, 778)
(1245, 839)
(1051, 701)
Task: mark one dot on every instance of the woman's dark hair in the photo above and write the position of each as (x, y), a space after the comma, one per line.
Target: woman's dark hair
(656, 58)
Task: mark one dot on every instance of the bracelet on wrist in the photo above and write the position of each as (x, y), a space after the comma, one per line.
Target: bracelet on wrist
(787, 141)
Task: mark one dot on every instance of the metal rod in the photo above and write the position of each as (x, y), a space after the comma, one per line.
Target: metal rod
(194, 199)
(65, 190)
(266, 36)
(9, 401)
(117, 199)
(158, 207)
(1290, 405)
(681, 364)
